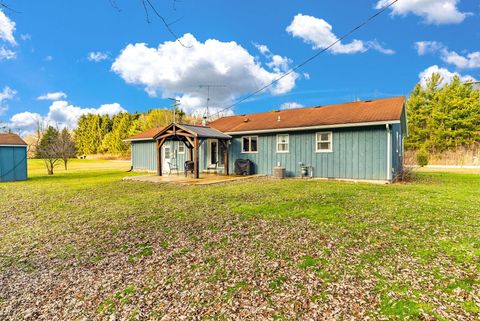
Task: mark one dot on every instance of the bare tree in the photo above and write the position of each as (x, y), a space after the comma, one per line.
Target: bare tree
(66, 146)
(47, 149)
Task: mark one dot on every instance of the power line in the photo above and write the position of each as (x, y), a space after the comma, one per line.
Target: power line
(379, 12)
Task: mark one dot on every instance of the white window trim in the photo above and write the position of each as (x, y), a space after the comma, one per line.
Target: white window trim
(288, 144)
(329, 141)
(250, 142)
(180, 143)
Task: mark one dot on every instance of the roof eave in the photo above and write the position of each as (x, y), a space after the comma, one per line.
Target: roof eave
(346, 125)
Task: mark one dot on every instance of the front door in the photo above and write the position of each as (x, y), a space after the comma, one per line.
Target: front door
(167, 157)
(216, 153)
(213, 152)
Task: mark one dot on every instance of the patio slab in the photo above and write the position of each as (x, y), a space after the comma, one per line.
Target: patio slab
(205, 179)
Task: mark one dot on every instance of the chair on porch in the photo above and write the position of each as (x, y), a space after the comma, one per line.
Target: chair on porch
(172, 166)
(189, 167)
(212, 167)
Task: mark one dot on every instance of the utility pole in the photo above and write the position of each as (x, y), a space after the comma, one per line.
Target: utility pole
(176, 103)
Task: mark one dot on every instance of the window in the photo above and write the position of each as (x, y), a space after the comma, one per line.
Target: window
(324, 142)
(249, 144)
(181, 148)
(282, 143)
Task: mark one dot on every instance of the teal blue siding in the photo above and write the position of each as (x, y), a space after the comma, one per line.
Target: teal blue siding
(13, 163)
(358, 153)
(144, 155)
(397, 150)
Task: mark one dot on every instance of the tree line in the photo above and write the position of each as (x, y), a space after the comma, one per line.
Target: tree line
(443, 117)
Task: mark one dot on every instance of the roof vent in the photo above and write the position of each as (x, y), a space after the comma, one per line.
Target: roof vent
(246, 120)
(368, 101)
(278, 118)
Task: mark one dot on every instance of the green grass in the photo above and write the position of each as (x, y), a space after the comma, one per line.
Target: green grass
(416, 245)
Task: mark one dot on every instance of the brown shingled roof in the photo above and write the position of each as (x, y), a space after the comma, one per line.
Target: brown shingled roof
(149, 134)
(387, 109)
(11, 139)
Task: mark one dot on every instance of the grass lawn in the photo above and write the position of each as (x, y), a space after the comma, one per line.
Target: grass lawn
(82, 245)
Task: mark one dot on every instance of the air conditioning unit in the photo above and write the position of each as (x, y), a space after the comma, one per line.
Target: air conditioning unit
(279, 172)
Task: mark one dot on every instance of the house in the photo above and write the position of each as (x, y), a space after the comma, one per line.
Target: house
(357, 140)
(13, 158)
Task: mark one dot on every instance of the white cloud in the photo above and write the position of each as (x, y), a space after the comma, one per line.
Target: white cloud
(467, 61)
(7, 27)
(7, 54)
(432, 11)
(173, 70)
(447, 76)
(425, 47)
(61, 114)
(25, 36)
(262, 48)
(375, 45)
(290, 105)
(53, 96)
(318, 33)
(48, 58)
(25, 122)
(6, 94)
(97, 56)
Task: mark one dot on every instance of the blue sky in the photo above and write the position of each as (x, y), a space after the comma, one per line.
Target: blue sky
(105, 60)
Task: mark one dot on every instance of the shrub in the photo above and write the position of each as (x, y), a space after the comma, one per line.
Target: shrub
(422, 158)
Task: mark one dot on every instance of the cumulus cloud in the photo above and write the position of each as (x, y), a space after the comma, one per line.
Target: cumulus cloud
(6, 94)
(97, 56)
(319, 34)
(7, 27)
(467, 61)
(290, 105)
(53, 96)
(61, 114)
(7, 54)
(432, 11)
(426, 47)
(173, 70)
(447, 76)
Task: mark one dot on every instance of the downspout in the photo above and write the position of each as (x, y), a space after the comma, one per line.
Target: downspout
(389, 153)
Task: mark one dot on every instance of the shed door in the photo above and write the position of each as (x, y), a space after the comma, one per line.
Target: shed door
(167, 156)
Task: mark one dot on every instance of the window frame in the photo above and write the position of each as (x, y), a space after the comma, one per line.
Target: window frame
(287, 143)
(182, 144)
(317, 141)
(249, 144)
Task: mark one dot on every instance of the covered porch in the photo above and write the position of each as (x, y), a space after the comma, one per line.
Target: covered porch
(192, 137)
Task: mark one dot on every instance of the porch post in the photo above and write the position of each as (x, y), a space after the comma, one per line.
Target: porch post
(226, 164)
(195, 164)
(159, 155)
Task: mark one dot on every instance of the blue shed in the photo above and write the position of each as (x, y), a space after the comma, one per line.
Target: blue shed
(13, 158)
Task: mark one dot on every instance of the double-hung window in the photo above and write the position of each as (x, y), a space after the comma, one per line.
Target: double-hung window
(324, 142)
(181, 148)
(249, 144)
(282, 143)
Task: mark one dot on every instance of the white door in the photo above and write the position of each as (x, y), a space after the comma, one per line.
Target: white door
(167, 157)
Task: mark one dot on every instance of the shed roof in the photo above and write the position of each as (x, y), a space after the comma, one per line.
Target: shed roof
(199, 131)
(11, 139)
(204, 131)
(146, 135)
(369, 111)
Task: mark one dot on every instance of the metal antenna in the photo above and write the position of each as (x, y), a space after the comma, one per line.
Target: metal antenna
(207, 114)
(176, 103)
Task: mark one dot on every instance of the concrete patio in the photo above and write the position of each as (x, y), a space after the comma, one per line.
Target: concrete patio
(205, 179)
